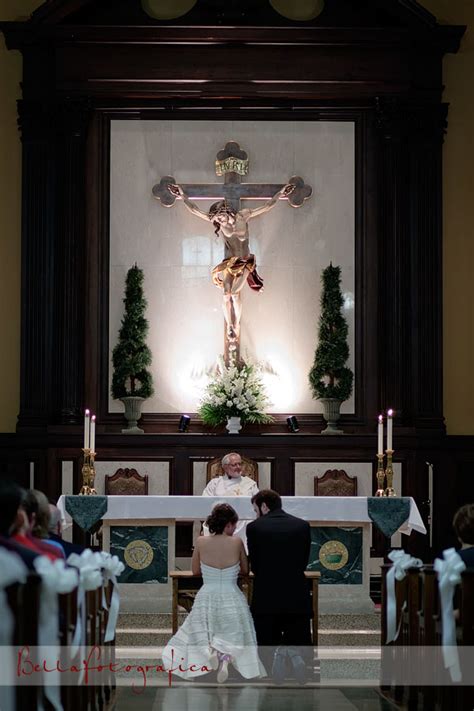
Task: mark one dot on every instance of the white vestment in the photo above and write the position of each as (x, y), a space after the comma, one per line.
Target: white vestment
(228, 486)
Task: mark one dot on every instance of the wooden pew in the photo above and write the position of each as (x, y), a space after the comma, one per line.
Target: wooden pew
(398, 660)
(23, 599)
(418, 614)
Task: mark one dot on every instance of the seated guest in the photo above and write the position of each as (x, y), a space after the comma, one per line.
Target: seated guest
(55, 533)
(11, 516)
(463, 524)
(32, 529)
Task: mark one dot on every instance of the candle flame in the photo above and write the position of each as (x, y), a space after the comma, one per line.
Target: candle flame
(380, 418)
(88, 412)
(93, 417)
(390, 413)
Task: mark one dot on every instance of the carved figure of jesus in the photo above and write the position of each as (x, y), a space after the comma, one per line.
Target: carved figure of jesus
(240, 266)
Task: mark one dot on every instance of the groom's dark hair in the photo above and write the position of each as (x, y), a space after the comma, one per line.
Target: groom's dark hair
(269, 497)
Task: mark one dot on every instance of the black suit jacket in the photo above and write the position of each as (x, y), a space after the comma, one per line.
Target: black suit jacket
(467, 555)
(67, 546)
(279, 546)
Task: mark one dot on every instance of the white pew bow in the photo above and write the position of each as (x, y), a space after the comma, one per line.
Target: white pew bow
(55, 578)
(112, 566)
(88, 565)
(449, 571)
(401, 563)
(12, 570)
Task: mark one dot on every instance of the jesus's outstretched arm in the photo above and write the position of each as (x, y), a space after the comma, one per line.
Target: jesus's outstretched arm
(178, 191)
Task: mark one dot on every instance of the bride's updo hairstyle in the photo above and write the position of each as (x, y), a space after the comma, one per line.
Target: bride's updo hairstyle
(221, 515)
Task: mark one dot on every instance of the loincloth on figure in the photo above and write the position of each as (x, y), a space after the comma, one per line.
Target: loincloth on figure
(236, 266)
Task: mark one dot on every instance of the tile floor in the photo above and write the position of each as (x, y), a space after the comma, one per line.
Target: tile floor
(247, 698)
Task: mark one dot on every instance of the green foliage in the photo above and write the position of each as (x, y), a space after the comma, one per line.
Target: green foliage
(131, 355)
(235, 391)
(329, 377)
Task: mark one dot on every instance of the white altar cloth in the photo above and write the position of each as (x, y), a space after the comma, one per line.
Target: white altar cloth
(349, 509)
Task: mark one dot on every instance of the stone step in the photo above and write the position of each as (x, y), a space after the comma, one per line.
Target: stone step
(330, 622)
(348, 622)
(349, 638)
(350, 672)
(148, 620)
(138, 637)
(144, 630)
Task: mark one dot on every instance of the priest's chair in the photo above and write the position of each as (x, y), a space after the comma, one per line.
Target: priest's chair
(126, 482)
(249, 468)
(335, 482)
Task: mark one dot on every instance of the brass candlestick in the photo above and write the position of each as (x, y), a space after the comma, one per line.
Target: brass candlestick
(389, 491)
(380, 476)
(88, 474)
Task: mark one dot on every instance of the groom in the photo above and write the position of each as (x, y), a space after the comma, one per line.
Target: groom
(279, 546)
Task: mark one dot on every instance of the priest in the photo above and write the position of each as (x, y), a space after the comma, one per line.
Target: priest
(231, 483)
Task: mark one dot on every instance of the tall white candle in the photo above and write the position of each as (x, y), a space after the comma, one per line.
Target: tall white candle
(389, 429)
(380, 433)
(93, 433)
(87, 415)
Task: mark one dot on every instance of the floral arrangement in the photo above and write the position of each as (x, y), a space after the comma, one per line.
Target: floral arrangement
(235, 391)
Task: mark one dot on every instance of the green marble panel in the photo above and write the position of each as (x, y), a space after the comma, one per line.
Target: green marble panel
(144, 552)
(337, 554)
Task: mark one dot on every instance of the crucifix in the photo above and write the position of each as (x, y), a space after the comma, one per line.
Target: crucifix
(230, 220)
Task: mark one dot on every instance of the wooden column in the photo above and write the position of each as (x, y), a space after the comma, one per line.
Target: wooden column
(72, 122)
(410, 264)
(53, 216)
(37, 266)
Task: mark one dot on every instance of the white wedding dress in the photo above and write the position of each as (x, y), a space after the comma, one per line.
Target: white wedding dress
(220, 620)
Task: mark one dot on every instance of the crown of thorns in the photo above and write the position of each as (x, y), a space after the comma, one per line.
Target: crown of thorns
(221, 208)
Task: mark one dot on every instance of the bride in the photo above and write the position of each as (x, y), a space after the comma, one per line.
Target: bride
(219, 629)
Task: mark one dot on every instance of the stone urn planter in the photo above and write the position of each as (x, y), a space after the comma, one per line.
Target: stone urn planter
(233, 425)
(133, 412)
(331, 413)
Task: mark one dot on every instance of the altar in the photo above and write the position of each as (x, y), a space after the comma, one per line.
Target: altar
(141, 531)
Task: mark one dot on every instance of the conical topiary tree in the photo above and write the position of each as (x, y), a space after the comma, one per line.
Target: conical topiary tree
(329, 378)
(131, 355)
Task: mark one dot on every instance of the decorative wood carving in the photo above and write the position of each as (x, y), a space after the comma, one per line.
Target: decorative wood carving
(126, 482)
(335, 482)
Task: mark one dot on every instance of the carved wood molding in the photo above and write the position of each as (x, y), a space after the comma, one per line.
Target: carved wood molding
(126, 482)
(335, 482)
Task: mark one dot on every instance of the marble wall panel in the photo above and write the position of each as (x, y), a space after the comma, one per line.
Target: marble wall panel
(144, 552)
(158, 475)
(67, 487)
(306, 471)
(178, 251)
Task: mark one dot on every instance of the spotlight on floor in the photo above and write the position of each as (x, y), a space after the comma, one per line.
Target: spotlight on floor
(184, 423)
(292, 423)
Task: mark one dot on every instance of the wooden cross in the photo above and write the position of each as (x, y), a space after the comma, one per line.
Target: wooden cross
(232, 190)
